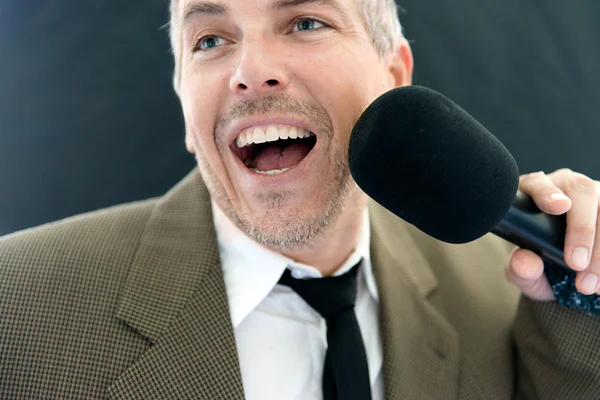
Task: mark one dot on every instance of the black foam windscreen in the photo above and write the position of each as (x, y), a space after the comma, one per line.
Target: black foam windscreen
(428, 161)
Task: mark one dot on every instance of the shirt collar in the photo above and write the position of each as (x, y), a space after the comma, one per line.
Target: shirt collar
(251, 270)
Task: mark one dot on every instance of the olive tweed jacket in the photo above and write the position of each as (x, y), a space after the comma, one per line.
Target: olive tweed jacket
(129, 303)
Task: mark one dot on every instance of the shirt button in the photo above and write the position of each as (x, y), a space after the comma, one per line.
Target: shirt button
(298, 273)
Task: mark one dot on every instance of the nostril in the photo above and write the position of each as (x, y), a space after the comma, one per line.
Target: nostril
(272, 82)
(242, 86)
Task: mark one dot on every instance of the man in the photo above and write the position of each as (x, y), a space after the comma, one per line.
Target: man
(178, 297)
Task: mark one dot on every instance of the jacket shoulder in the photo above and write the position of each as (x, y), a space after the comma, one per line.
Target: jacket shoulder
(71, 253)
(102, 234)
(80, 253)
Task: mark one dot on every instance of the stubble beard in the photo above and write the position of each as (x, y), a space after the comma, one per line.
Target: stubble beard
(288, 228)
(282, 227)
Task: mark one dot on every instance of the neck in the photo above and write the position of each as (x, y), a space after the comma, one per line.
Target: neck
(334, 245)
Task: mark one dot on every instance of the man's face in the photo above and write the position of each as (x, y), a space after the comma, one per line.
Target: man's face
(291, 76)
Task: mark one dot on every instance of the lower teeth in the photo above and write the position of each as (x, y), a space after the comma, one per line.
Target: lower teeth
(271, 172)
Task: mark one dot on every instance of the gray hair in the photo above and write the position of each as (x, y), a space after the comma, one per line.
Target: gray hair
(379, 16)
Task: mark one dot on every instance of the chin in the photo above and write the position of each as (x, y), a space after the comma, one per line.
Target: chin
(286, 226)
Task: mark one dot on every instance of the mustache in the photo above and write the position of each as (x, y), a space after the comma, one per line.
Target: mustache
(280, 104)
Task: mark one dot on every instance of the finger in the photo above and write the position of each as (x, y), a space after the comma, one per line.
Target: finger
(525, 269)
(581, 224)
(547, 196)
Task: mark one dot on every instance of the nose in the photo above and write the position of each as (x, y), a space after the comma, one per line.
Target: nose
(260, 70)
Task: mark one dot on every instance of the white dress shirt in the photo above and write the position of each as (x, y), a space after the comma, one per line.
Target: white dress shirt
(281, 340)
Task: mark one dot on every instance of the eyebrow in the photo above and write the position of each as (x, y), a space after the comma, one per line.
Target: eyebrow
(211, 8)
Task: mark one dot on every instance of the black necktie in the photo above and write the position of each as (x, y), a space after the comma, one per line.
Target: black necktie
(346, 372)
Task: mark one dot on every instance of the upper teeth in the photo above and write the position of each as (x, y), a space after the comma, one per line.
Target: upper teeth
(270, 133)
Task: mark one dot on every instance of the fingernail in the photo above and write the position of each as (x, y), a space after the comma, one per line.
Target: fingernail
(580, 257)
(589, 283)
(558, 196)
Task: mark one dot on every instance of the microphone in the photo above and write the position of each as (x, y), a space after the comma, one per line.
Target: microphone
(432, 164)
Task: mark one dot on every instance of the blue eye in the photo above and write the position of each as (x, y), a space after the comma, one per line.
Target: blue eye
(307, 24)
(209, 42)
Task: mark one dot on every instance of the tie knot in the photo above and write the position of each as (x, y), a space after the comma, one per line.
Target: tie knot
(328, 296)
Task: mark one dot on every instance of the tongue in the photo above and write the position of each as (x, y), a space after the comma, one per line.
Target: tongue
(275, 156)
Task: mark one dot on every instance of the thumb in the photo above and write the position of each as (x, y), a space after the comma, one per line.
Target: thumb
(525, 269)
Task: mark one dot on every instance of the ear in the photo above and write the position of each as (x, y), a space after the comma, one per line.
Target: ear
(401, 64)
(189, 143)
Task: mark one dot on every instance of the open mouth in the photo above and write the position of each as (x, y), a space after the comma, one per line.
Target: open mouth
(273, 149)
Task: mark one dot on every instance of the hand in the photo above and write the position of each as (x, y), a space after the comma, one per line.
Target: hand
(562, 191)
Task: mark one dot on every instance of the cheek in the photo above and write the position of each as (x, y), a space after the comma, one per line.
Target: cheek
(199, 111)
(360, 70)
(339, 85)
(346, 72)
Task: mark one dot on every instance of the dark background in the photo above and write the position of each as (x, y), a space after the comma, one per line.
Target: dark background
(88, 118)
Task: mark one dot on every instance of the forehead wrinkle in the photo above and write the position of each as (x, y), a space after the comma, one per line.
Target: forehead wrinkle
(202, 8)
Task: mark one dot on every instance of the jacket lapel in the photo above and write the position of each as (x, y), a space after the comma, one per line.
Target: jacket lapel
(175, 296)
(421, 349)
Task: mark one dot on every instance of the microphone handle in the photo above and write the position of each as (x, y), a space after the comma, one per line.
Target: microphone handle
(529, 228)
